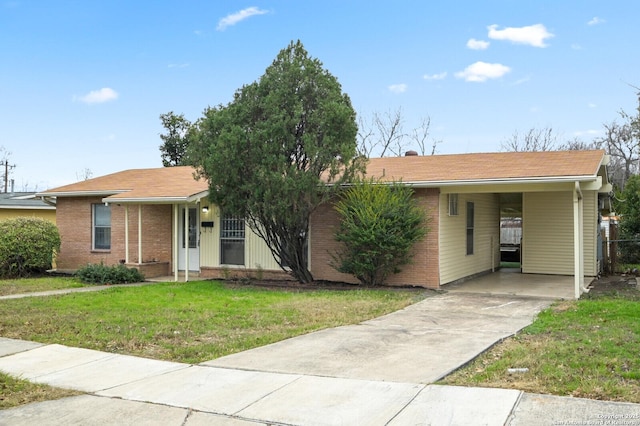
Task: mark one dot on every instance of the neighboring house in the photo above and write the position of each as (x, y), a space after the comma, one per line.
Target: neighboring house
(160, 220)
(25, 204)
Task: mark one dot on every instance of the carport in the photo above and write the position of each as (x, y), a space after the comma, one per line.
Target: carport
(512, 282)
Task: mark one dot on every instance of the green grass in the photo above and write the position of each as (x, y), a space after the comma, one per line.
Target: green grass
(190, 322)
(31, 285)
(587, 348)
(15, 392)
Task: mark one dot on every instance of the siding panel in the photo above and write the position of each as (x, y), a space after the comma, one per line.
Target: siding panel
(547, 232)
(454, 262)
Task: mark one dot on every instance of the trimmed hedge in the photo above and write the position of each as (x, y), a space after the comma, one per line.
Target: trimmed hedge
(27, 246)
(115, 274)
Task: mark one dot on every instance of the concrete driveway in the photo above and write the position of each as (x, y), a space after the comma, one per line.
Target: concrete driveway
(418, 344)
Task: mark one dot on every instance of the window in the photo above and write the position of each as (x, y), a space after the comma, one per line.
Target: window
(453, 204)
(470, 227)
(101, 227)
(231, 241)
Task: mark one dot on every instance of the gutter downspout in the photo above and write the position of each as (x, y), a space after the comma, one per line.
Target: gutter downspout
(48, 200)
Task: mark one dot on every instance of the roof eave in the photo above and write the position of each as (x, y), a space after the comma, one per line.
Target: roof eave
(157, 200)
(507, 181)
(107, 193)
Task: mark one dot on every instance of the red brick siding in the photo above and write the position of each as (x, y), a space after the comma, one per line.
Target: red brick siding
(74, 220)
(422, 271)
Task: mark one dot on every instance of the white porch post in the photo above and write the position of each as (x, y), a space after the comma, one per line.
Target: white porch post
(186, 243)
(578, 247)
(139, 233)
(126, 233)
(176, 226)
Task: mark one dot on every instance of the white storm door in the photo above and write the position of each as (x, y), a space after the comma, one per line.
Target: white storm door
(194, 240)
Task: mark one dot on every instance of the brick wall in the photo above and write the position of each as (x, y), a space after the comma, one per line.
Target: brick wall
(422, 271)
(74, 220)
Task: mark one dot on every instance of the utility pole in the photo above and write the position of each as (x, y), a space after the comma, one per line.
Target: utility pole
(7, 167)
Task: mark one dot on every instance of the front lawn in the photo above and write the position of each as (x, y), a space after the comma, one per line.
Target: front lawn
(587, 348)
(190, 322)
(31, 285)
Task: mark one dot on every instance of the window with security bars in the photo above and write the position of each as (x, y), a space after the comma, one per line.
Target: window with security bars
(101, 230)
(232, 231)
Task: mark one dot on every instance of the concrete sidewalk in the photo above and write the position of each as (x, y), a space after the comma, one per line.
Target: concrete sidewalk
(374, 373)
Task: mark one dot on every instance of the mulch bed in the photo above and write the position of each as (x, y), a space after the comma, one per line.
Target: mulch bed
(621, 285)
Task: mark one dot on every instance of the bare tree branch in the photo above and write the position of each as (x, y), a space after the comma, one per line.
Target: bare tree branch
(390, 132)
(543, 139)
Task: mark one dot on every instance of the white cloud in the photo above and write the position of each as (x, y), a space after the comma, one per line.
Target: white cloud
(576, 46)
(398, 88)
(477, 44)
(236, 17)
(98, 96)
(440, 76)
(590, 132)
(592, 105)
(522, 81)
(533, 35)
(595, 21)
(482, 71)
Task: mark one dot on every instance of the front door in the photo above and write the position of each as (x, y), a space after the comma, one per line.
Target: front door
(193, 241)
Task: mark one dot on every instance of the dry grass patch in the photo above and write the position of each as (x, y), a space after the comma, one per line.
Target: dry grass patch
(15, 392)
(31, 285)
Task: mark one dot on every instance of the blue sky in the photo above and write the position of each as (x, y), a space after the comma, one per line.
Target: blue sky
(82, 83)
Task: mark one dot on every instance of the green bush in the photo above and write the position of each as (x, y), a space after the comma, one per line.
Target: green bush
(27, 246)
(379, 223)
(115, 274)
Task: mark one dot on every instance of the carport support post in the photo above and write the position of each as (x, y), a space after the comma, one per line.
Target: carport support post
(126, 234)
(176, 226)
(186, 243)
(578, 246)
(139, 234)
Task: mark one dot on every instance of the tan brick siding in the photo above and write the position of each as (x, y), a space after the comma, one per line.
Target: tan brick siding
(422, 271)
(74, 220)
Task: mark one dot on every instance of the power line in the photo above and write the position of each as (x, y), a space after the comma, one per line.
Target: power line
(7, 167)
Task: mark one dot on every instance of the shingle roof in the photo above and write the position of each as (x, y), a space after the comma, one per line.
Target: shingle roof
(487, 166)
(161, 183)
(178, 183)
(23, 200)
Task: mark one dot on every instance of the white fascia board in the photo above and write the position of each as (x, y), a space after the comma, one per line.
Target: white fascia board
(508, 181)
(81, 193)
(148, 200)
(18, 207)
(158, 200)
(197, 197)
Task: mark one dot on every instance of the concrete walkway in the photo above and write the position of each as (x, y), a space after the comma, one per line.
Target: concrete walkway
(375, 373)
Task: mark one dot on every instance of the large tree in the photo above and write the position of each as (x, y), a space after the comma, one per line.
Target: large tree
(176, 140)
(279, 150)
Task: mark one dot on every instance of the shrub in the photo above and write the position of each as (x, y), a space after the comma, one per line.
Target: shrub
(115, 274)
(379, 223)
(27, 246)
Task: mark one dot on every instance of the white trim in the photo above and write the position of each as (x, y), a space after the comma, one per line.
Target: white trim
(506, 181)
(81, 193)
(126, 234)
(22, 207)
